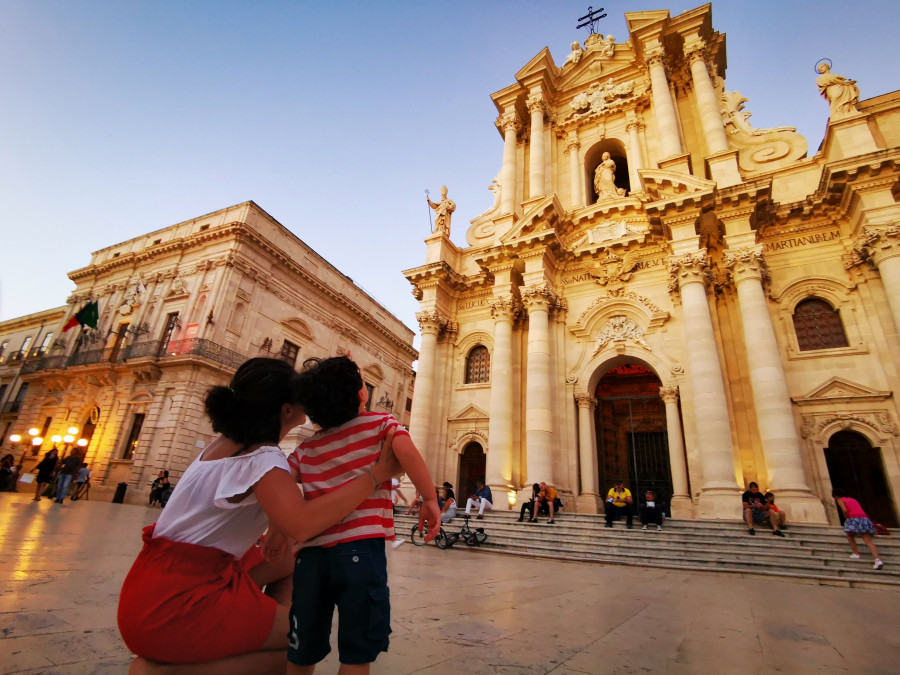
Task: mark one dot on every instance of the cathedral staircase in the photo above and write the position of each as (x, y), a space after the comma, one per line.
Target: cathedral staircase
(817, 554)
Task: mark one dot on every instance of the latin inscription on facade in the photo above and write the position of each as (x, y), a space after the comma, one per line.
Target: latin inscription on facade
(585, 275)
(805, 240)
(472, 304)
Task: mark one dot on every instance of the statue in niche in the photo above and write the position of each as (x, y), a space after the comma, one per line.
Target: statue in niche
(605, 179)
(575, 55)
(134, 296)
(841, 93)
(443, 209)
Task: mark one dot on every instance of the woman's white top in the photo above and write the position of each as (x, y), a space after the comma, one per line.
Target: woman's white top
(198, 512)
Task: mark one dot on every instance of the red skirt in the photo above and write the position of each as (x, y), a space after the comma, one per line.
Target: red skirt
(184, 603)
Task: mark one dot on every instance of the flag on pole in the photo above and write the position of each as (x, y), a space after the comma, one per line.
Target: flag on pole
(89, 315)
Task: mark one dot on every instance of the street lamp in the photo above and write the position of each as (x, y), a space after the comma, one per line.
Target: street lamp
(33, 432)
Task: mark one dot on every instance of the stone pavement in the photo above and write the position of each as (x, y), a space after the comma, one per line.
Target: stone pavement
(459, 611)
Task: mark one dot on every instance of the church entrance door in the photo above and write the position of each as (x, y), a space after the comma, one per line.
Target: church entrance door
(472, 463)
(632, 442)
(857, 468)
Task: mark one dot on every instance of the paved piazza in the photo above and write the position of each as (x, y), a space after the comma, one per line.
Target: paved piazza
(459, 611)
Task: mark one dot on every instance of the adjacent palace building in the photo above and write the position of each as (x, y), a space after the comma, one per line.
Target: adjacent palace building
(179, 310)
(666, 295)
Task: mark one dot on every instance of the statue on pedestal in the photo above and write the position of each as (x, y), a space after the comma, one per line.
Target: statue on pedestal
(575, 55)
(841, 93)
(605, 179)
(442, 210)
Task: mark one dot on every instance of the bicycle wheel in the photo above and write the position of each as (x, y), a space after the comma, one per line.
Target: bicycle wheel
(444, 540)
(418, 538)
(481, 537)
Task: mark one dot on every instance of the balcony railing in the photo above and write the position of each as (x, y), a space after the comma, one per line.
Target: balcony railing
(153, 349)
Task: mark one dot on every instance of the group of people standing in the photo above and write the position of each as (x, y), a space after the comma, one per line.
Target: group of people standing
(63, 472)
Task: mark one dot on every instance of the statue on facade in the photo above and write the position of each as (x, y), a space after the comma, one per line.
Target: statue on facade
(607, 46)
(442, 209)
(841, 93)
(605, 179)
(134, 295)
(575, 55)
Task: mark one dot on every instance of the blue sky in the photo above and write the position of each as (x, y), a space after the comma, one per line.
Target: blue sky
(118, 118)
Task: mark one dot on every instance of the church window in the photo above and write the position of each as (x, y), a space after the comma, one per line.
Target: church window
(818, 326)
(289, 352)
(478, 365)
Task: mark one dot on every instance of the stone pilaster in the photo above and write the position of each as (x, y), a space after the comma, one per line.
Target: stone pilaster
(588, 500)
(880, 244)
(663, 106)
(538, 299)
(572, 148)
(538, 109)
(707, 101)
(499, 471)
(635, 154)
(717, 494)
(681, 505)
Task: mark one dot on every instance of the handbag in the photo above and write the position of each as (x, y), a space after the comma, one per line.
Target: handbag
(881, 530)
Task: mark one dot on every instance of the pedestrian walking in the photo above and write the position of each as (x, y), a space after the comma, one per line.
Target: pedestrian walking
(45, 469)
(857, 523)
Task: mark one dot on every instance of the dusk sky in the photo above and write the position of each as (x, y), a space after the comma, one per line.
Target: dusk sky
(122, 117)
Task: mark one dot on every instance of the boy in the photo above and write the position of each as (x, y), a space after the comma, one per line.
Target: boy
(345, 566)
(782, 517)
(81, 478)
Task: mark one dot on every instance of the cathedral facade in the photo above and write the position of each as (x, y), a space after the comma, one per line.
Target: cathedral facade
(666, 295)
(178, 310)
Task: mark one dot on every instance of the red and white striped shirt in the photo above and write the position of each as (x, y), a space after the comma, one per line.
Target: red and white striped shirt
(332, 457)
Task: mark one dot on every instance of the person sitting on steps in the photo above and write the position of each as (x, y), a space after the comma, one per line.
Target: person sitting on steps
(619, 501)
(546, 501)
(482, 498)
(756, 510)
(651, 511)
(782, 516)
(529, 505)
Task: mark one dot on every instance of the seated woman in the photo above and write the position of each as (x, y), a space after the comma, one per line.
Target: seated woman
(416, 505)
(529, 505)
(448, 510)
(189, 601)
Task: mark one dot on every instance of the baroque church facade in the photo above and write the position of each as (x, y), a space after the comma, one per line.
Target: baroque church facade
(666, 295)
(179, 310)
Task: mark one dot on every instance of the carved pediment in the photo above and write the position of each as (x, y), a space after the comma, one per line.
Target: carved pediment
(471, 413)
(838, 389)
(544, 216)
(629, 304)
(663, 185)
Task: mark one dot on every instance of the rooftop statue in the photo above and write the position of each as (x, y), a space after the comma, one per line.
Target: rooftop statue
(841, 93)
(605, 179)
(442, 211)
(575, 55)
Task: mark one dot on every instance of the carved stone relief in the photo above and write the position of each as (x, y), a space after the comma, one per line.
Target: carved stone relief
(620, 328)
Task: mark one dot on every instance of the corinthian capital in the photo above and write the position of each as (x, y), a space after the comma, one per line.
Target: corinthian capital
(505, 309)
(535, 103)
(690, 268)
(655, 56)
(509, 120)
(878, 242)
(585, 401)
(669, 394)
(431, 323)
(695, 51)
(746, 263)
(539, 297)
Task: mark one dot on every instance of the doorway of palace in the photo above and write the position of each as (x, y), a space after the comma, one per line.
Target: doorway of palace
(857, 468)
(472, 464)
(632, 442)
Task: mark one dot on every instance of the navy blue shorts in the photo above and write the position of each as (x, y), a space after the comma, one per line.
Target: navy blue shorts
(353, 578)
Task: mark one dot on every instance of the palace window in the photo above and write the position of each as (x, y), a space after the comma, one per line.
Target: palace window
(133, 436)
(289, 352)
(818, 326)
(478, 365)
(371, 391)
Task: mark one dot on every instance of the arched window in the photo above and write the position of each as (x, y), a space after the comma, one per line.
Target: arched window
(818, 326)
(478, 365)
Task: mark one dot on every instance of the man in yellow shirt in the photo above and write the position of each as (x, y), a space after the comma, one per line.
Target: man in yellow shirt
(545, 500)
(619, 501)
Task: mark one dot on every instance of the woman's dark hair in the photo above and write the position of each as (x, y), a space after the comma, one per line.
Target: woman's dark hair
(536, 488)
(449, 493)
(329, 390)
(447, 484)
(248, 411)
(165, 474)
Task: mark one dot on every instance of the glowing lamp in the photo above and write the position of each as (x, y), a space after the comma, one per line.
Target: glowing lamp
(56, 439)
(15, 438)
(36, 441)
(68, 438)
(33, 431)
(82, 442)
(72, 430)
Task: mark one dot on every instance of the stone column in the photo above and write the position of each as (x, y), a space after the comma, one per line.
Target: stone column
(719, 490)
(572, 148)
(681, 506)
(589, 499)
(538, 416)
(635, 158)
(707, 101)
(663, 106)
(510, 124)
(500, 427)
(537, 108)
(771, 399)
(420, 421)
(881, 245)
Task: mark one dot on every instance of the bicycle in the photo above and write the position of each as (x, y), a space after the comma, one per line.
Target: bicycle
(418, 538)
(471, 537)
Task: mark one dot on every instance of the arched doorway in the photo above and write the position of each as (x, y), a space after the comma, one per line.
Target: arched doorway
(856, 467)
(632, 442)
(472, 463)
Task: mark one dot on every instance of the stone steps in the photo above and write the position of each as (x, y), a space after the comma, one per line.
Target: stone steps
(810, 553)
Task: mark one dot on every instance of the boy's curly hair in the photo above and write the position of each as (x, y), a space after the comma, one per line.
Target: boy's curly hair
(329, 390)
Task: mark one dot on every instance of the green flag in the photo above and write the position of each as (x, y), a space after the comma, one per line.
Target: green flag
(89, 315)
